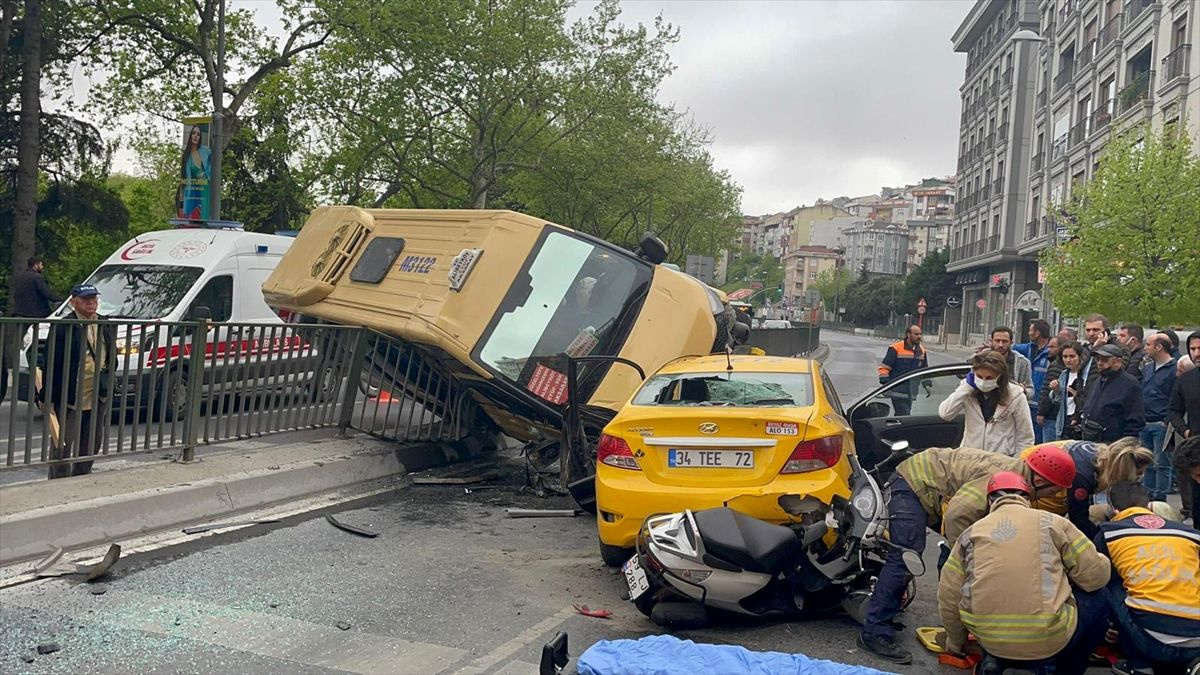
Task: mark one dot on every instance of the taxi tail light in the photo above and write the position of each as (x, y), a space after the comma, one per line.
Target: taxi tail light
(614, 451)
(813, 455)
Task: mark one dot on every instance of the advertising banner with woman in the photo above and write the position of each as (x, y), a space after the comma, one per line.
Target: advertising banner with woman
(194, 186)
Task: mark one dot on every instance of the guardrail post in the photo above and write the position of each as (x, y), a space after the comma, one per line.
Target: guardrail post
(353, 377)
(195, 382)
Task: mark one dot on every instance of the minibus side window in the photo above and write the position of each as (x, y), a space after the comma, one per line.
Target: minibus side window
(217, 296)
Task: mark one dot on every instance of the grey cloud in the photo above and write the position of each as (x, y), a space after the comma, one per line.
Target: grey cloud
(816, 99)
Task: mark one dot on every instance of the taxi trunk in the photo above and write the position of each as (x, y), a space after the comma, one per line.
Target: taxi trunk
(748, 447)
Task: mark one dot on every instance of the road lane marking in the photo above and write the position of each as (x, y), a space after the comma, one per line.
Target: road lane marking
(487, 663)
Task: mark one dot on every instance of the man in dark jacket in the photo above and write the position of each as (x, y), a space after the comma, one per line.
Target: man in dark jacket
(903, 357)
(1113, 406)
(79, 364)
(1183, 413)
(1096, 333)
(1037, 350)
(1047, 408)
(1133, 338)
(1158, 379)
(31, 295)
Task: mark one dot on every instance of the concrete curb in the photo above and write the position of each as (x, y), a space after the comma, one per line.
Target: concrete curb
(112, 517)
(820, 354)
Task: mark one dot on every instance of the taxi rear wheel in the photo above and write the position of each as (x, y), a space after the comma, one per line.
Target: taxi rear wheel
(615, 556)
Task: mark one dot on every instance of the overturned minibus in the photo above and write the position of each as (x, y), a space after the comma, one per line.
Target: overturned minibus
(500, 299)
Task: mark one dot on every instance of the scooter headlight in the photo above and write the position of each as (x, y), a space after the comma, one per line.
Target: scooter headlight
(865, 504)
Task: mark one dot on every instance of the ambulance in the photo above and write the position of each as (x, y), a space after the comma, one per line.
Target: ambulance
(215, 271)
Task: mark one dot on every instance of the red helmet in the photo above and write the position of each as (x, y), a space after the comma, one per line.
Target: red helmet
(1008, 480)
(1053, 463)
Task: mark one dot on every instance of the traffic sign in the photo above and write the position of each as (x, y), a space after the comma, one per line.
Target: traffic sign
(953, 301)
(1062, 232)
(981, 303)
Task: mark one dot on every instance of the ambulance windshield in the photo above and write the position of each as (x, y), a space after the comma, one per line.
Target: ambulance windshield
(142, 291)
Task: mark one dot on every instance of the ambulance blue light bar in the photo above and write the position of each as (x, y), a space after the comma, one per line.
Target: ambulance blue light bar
(185, 224)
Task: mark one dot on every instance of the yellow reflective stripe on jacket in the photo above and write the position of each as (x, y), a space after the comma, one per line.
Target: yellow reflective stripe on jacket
(1019, 627)
(1189, 612)
(1077, 547)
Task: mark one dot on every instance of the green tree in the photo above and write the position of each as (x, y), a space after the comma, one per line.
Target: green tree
(833, 285)
(870, 302)
(1134, 233)
(447, 99)
(929, 280)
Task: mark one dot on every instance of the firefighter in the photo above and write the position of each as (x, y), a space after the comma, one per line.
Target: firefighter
(1097, 466)
(1009, 582)
(916, 494)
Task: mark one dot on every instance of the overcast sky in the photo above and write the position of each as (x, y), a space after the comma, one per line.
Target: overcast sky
(807, 98)
(815, 98)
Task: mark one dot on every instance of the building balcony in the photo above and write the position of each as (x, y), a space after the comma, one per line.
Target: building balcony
(1031, 229)
(1137, 93)
(1088, 53)
(1103, 115)
(1002, 133)
(993, 244)
(1135, 8)
(985, 193)
(998, 187)
(1175, 64)
(1068, 11)
(1008, 77)
(988, 141)
(1058, 148)
(1110, 33)
(1064, 78)
(1038, 162)
(1079, 132)
(1041, 98)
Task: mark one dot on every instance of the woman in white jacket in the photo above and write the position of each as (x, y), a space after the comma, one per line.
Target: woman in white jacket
(996, 410)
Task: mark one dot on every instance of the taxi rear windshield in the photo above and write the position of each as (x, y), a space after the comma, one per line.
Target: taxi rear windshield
(730, 389)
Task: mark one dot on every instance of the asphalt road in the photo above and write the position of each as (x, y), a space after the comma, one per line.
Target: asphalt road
(449, 585)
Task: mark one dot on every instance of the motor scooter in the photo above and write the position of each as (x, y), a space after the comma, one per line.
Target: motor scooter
(691, 562)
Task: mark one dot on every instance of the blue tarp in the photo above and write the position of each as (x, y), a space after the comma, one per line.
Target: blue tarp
(668, 655)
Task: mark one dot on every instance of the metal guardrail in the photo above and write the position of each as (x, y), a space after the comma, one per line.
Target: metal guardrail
(177, 385)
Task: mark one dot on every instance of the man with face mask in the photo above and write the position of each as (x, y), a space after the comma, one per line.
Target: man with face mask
(1113, 407)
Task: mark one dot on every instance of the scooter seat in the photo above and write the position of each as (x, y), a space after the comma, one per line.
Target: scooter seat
(747, 542)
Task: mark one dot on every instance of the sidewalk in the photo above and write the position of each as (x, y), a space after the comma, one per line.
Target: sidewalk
(113, 505)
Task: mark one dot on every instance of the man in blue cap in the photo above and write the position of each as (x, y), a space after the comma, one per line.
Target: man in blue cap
(82, 356)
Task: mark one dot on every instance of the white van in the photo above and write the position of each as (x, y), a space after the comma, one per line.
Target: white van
(164, 276)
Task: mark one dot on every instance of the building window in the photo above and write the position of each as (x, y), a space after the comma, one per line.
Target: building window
(812, 276)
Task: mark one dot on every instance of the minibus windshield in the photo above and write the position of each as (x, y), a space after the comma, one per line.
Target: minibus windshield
(567, 300)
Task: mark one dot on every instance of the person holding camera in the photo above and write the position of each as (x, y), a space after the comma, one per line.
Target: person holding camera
(1064, 390)
(1113, 407)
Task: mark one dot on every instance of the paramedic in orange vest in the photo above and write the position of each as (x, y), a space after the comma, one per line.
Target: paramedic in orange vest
(903, 357)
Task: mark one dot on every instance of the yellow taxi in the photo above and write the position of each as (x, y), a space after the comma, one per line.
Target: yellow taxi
(703, 431)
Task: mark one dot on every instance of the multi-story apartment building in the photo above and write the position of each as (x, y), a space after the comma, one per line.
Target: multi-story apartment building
(803, 265)
(877, 248)
(995, 147)
(1102, 67)
(926, 237)
(1079, 71)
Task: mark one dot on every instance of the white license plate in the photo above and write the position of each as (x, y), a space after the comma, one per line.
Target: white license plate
(710, 459)
(635, 576)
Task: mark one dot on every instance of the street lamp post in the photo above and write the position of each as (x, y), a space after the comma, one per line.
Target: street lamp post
(218, 123)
